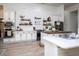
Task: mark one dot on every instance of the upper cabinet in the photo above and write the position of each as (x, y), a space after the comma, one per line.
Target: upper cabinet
(1, 11)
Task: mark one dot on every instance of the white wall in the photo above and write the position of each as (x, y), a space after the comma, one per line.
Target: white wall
(30, 10)
(70, 22)
(67, 20)
(61, 12)
(73, 21)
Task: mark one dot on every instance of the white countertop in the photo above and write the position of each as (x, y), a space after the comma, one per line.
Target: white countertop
(62, 42)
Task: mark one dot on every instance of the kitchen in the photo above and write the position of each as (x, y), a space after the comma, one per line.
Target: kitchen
(32, 22)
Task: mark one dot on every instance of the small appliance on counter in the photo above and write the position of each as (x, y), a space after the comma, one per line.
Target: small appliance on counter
(8, 24)
(59, 25)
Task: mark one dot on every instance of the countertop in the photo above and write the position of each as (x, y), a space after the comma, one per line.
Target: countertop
(62, 42)
(56, 32)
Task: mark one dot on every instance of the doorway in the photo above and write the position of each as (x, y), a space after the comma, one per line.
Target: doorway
(74, 21)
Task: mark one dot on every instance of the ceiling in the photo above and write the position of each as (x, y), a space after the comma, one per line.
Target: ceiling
(58, 4)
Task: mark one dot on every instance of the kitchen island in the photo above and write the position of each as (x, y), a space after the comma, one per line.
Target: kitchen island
(54, 33)
(57, 46)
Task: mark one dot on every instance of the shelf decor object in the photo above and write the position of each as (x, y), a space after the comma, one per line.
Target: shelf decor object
(49, 19)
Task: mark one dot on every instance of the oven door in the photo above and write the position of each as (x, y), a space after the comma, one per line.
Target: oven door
(8, 33)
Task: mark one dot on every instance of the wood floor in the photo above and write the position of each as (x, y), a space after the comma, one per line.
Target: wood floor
(23, 49)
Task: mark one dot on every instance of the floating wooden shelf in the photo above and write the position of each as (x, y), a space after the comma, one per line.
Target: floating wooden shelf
(44, 20)
(25, 24)
(25, 19)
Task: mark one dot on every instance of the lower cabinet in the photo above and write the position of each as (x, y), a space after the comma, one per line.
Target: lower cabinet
(29, 36)
(56, 35)
(34, 35)
(42, 35)
(25, 36)
(22, 36)
(18, 36)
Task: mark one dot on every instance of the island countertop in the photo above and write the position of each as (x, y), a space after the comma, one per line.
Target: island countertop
(56, 32)
(62, 42)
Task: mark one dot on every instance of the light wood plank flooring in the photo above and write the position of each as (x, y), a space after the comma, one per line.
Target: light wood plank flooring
(23, 49)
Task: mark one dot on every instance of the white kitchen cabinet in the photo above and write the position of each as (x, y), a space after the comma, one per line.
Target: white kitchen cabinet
(23, 36)
(56, 35)
(29, 36)
(34, 35)
(18, 35)
(42, 35)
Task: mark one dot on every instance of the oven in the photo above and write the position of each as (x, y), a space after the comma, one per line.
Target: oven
(8, 33)
(8, 30)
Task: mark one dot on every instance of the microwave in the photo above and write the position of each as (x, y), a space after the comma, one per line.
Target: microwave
(8, 24)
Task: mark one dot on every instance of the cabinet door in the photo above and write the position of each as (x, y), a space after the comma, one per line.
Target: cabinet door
(28, 35)
(18, 36)
(34, 35)
(42, 35)
(23, 37)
